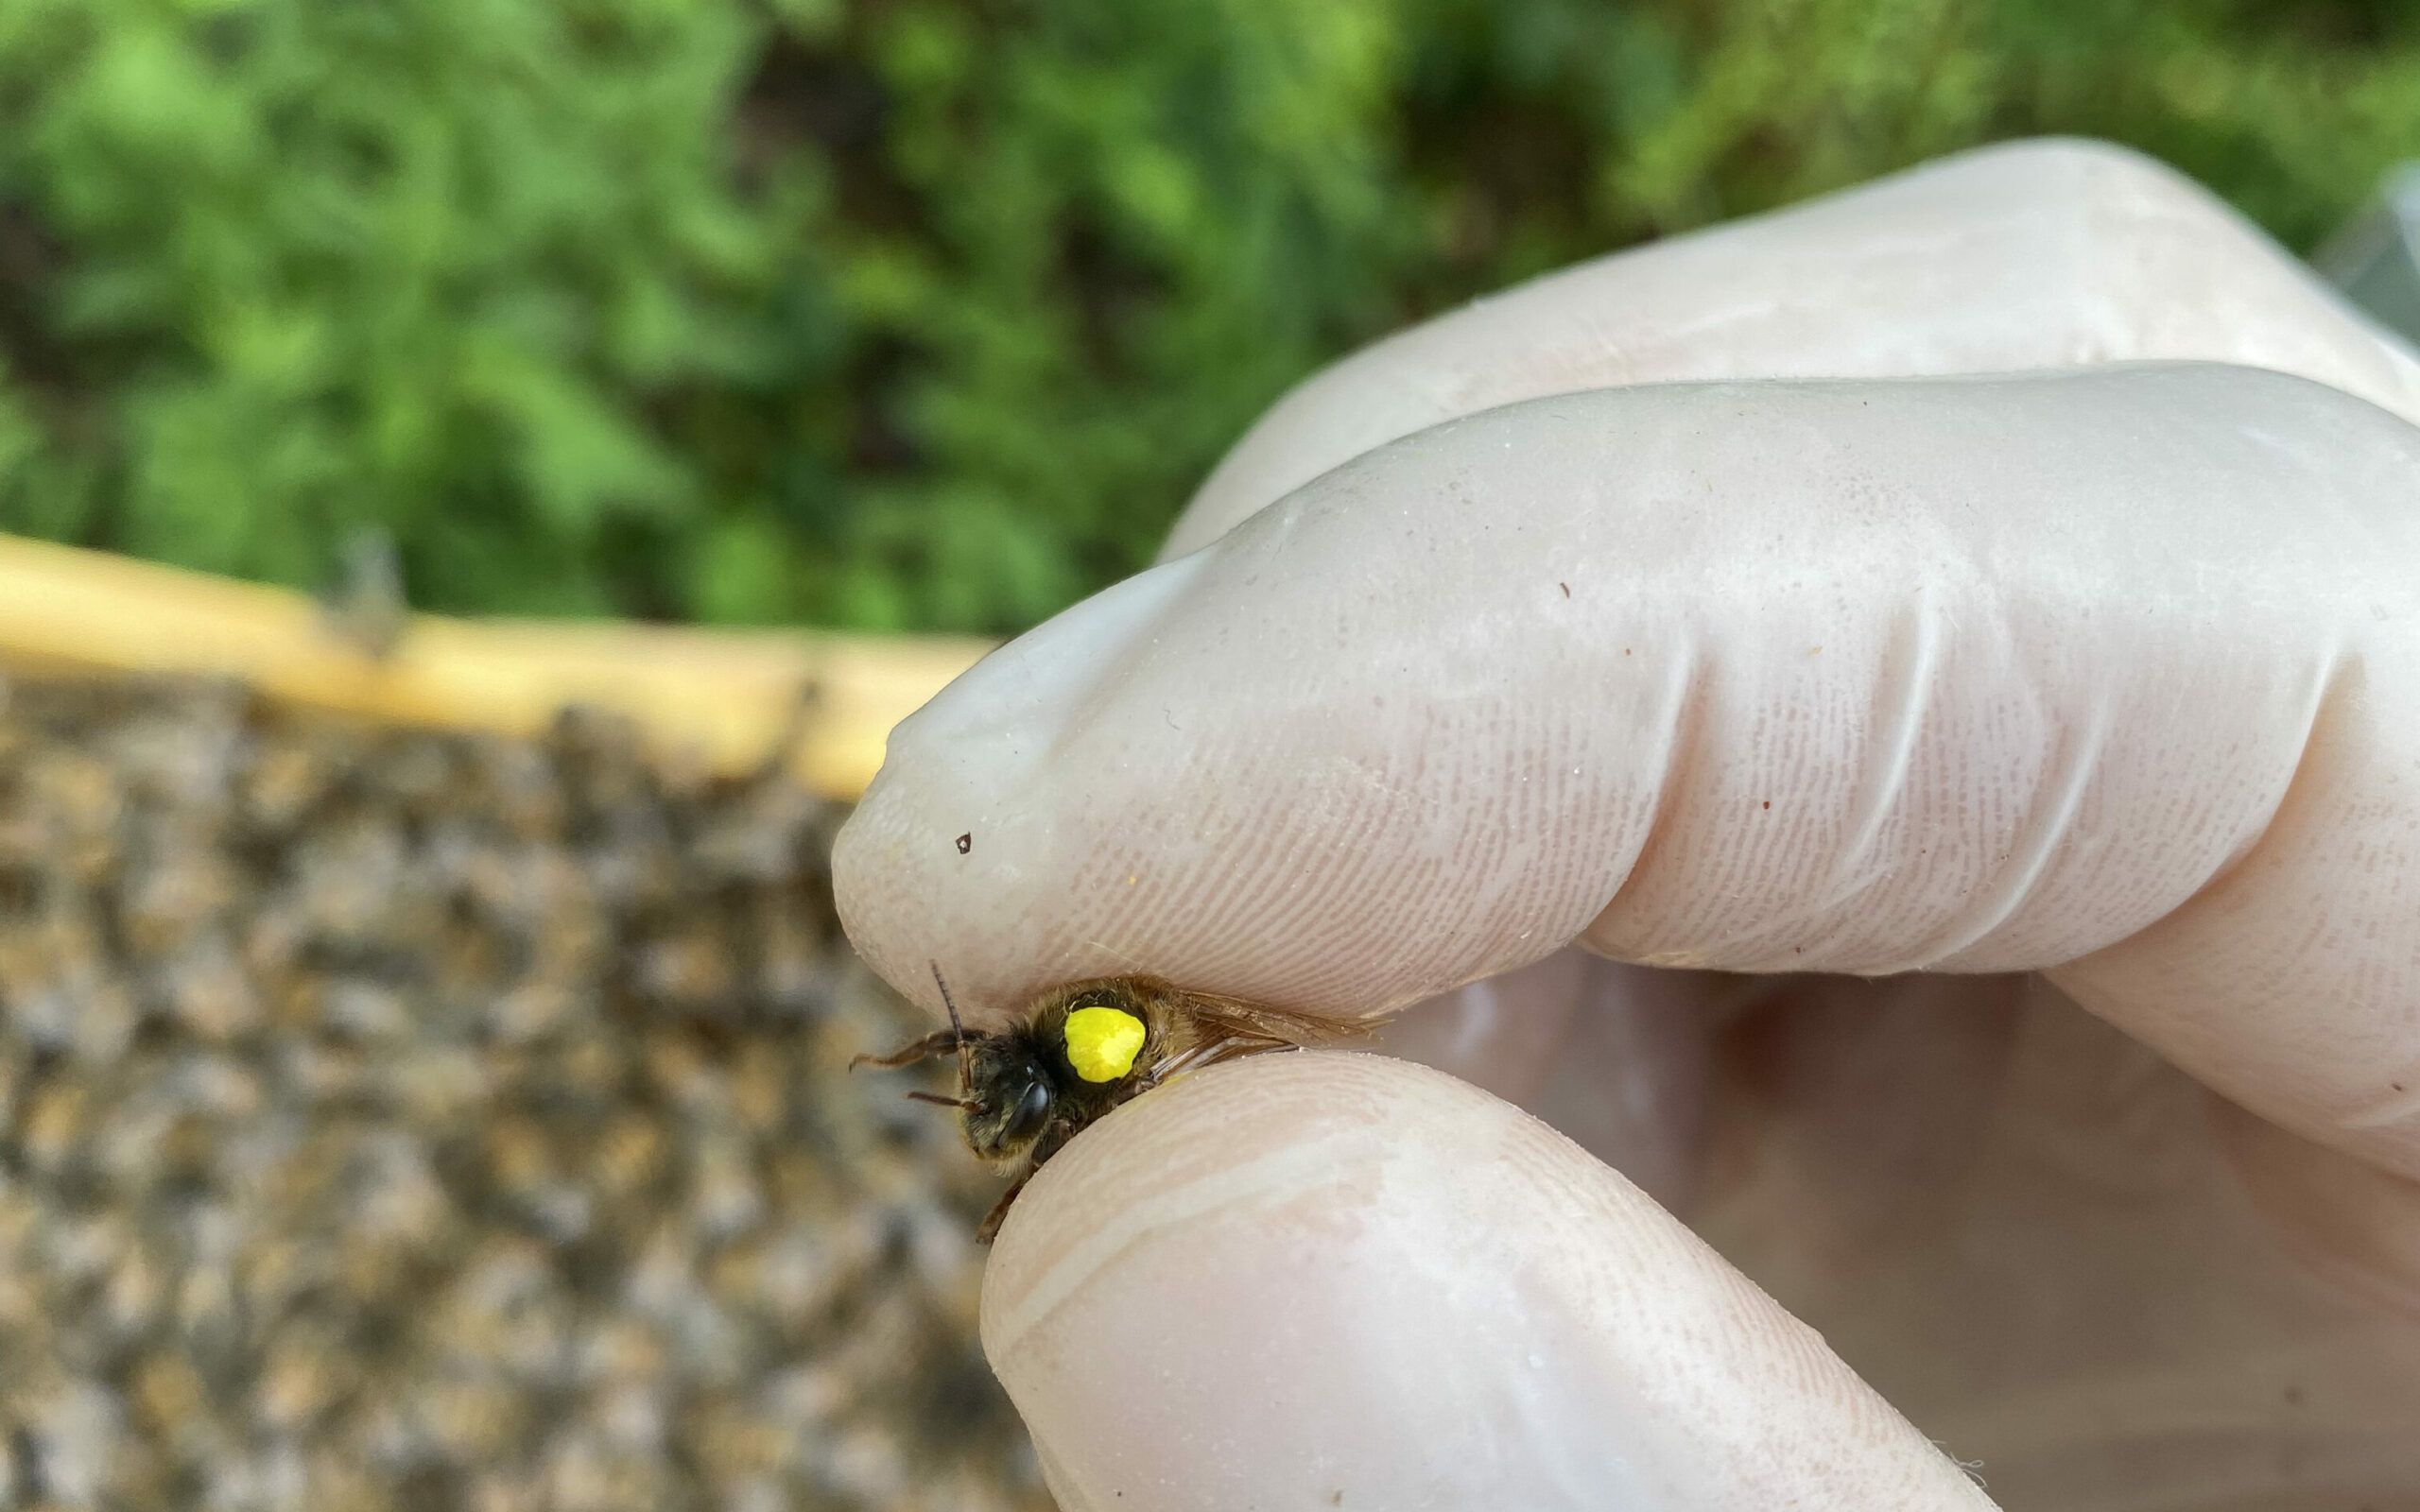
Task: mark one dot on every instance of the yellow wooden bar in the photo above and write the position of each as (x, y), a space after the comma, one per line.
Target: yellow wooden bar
(726, 697)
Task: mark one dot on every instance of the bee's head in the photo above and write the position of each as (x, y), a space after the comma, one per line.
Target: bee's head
(1009, 1096)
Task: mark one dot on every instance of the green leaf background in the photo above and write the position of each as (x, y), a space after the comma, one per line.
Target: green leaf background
(925, 314)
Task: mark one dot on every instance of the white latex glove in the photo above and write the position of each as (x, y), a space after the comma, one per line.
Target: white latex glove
(2093, 687)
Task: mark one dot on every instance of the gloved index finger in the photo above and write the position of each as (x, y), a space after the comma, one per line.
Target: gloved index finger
(2022, 256)
(1971, 674)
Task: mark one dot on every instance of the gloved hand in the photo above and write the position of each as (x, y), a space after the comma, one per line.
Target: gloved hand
(1977, 773)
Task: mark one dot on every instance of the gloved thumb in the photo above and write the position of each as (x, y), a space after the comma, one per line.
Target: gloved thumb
(1325, 1281)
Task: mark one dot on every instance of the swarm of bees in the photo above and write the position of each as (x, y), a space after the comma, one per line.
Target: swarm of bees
(398, 1120)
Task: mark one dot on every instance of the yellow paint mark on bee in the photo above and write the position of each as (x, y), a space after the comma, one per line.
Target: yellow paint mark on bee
(1103, 1042)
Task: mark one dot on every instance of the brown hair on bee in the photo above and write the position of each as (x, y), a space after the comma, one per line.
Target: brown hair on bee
(1083, 1048)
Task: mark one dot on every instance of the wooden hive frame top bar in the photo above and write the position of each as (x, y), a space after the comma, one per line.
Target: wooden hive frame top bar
(729, 698)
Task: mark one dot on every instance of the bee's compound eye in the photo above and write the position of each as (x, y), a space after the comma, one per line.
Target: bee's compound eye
(1032, 1112)
(1103, 1042)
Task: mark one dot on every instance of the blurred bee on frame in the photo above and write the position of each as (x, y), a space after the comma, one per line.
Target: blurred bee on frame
(1082, 1050)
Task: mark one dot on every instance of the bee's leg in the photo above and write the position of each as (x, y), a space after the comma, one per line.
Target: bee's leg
(939, 1044)
(1053, 1140)
(992, 1221)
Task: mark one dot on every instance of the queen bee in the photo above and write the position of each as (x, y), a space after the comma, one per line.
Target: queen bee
(1084, 1049)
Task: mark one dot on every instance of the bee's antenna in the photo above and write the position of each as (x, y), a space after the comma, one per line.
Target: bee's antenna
(966, 1069)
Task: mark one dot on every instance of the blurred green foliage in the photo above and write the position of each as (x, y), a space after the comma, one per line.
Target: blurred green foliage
(925, 314)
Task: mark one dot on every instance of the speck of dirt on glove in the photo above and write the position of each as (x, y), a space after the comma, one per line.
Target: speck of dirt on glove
(401, 1119)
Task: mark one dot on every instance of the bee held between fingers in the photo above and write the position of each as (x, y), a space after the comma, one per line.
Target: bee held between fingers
(1084, 1049)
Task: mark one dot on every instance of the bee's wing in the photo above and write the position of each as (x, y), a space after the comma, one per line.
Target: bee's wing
(1228, 1027)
